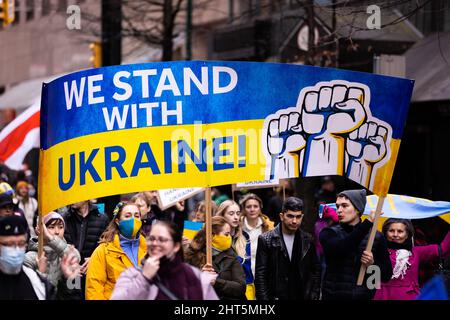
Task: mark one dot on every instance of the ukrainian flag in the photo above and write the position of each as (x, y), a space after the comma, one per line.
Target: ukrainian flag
(191, 228)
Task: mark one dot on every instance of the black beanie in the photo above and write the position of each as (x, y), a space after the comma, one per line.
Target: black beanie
(357, 198)
(13, 226)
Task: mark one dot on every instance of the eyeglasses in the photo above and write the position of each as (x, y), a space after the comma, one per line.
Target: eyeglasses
(14, 244)
(291, 216)
(158, 239)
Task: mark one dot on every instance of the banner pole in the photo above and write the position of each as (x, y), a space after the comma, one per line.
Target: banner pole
(208, 227)
(373, 232)
(40, 195)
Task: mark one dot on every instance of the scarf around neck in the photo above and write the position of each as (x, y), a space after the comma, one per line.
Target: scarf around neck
(180, 279)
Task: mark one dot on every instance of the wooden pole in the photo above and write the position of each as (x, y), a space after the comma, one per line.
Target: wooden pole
(41, 236)
(373, 232)
(40, 195)
(208, 226)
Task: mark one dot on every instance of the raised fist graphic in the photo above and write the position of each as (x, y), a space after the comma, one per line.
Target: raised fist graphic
(284, 141)
(329, 113)
(366, 146)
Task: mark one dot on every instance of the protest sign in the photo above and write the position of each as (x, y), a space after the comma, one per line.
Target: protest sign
(257, 184)
(168, 197)
(130, 128)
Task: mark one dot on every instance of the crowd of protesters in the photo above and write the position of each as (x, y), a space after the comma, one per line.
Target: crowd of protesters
(139, 251)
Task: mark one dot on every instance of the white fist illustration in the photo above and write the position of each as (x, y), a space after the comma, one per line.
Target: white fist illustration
(333, 110)
(284, 137)
(368, 143)
(285, 134)
(366, 147)
(329, 114)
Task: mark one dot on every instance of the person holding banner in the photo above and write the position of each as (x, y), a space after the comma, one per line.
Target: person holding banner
(17, 281)
(287, 267)
(254, 222)
(55, 251)
(231, 211)
(406, 260)
(344, 247)
(121, 246)
(229, 277)
(163, 275)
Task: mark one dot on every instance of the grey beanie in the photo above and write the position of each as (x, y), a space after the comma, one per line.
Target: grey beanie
(357, 198)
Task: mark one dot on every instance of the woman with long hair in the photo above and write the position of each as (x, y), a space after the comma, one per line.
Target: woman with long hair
(231, 211)
(163, 275)
(121, 246)
(406, 260)
(229, 281)
(147, 217)
(254, 222)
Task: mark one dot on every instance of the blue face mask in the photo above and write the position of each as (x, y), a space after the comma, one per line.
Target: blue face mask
(130, 228)
(11, 259)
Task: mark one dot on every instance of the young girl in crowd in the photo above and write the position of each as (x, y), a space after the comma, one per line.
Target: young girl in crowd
(121, 246)
(254, 222)
(56, 250)
(230, 278)
(406, 260)
(163, 274)
(230, 210)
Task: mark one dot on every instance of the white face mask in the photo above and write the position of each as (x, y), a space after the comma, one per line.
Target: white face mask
(11, 259)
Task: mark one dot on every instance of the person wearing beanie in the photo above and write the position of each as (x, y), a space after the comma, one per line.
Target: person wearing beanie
(17, 281)
(55, 249)
(344, 247)
(328, 218)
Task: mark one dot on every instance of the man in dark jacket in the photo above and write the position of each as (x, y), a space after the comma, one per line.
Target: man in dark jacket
(344, 247)
(18, 282)
(286, 263)
(84, 226)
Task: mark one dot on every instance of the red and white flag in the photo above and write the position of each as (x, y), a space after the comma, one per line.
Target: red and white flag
(20, 136)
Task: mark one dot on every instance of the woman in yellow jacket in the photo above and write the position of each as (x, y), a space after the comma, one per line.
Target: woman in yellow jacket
(121, 247)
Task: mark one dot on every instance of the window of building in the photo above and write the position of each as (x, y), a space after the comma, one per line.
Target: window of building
(16, 12)
(30, 9)
(45, 7)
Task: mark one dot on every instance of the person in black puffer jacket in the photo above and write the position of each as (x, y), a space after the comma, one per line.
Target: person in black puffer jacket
(344, 246)
(84, 226)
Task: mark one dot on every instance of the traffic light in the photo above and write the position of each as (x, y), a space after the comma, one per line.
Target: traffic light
(7, 13)
(96, 58)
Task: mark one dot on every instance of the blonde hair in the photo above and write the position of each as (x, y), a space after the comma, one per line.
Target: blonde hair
(239, 240)
(251, 196)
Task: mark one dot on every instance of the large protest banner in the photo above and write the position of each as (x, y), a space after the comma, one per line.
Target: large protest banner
(168, 125)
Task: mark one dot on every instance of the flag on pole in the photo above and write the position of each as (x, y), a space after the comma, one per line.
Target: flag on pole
(191, 228)
(20, 136)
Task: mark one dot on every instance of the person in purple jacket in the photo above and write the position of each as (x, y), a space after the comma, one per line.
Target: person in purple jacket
(406, 260)
(163, 274)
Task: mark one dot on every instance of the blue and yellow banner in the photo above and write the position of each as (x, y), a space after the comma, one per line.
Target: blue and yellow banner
(168, 125)
(406, 207)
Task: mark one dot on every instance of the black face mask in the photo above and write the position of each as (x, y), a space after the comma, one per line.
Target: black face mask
(407, 245)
